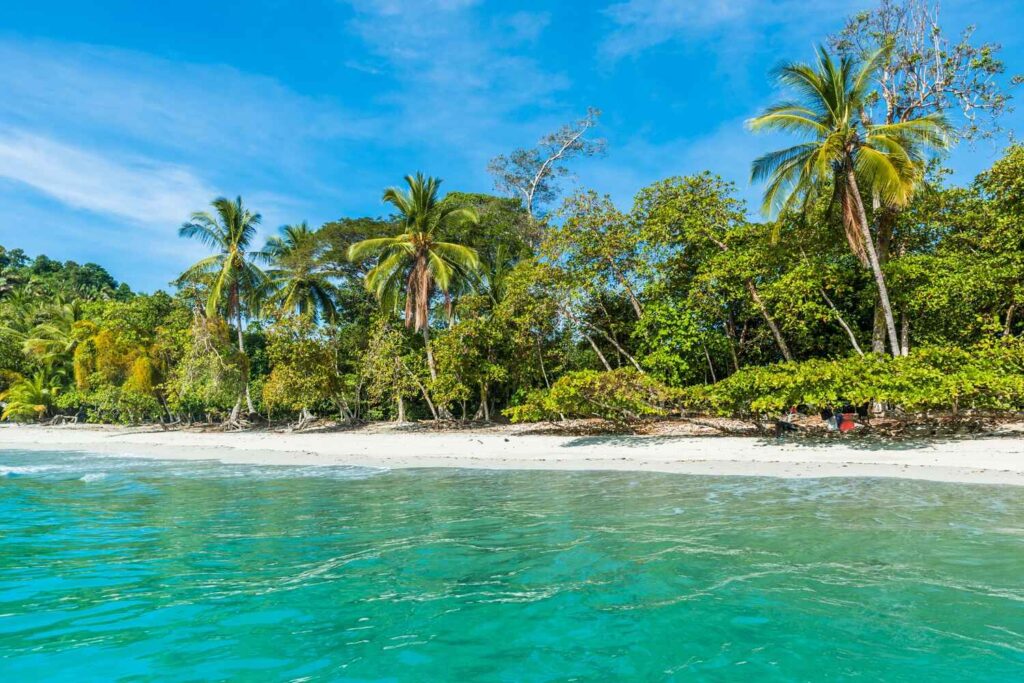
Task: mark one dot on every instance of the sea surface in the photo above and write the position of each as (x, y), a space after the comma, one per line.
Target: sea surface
(119, 569)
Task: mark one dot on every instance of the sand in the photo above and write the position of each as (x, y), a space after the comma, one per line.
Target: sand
(989, 460)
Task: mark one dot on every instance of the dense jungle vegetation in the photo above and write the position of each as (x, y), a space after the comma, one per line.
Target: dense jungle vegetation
(868, 278)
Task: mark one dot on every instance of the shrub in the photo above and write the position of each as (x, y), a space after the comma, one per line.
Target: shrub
(989, 376)
(623, 395)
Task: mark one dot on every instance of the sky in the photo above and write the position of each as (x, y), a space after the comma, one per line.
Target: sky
(120, 118)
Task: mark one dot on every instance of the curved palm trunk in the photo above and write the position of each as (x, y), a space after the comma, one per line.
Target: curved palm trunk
(869, 246)
(883, 242)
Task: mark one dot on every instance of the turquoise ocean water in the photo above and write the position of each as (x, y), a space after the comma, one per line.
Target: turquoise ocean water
(134, 570)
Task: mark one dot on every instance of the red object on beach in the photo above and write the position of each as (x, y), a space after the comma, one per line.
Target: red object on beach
(848, 422)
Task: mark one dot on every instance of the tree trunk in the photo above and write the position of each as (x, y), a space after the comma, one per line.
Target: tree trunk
(440, 411)
(776, 332)
(423, 390)
(401, 408)
(842, 323)
(597, 350)
(540, 357)
(886, 226)
(629, 289)
(241, 347)
(869, 246)
(1008, 328)
(430, 353)
(905, 333)
(620, 350)
(730, 333)
(711, 365)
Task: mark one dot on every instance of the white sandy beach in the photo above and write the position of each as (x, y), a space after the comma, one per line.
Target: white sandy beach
(990, 460)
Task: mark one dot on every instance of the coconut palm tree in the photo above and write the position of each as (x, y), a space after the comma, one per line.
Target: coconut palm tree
(416, 262)
(844, 151)
(231, 275)
(298, 282)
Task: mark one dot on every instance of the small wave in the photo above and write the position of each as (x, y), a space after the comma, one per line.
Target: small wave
(93, 476)
(19, 470)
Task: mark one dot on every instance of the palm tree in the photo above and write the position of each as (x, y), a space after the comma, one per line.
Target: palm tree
(52, 342)
(231, 274)
(843, 151)
(298, 282)
(30, 397)
(416, 262)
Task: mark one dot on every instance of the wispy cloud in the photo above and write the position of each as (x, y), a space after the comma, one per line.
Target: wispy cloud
(637, 25)
(171, 108)
(140, 142)
(463, 80)
(138, 190)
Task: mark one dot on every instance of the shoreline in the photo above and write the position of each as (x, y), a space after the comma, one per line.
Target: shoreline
(987, 460)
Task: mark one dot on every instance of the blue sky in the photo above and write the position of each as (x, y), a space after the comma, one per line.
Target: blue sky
(118, 118)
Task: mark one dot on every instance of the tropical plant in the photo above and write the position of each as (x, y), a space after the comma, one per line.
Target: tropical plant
(30, 398)
(298, 281)
(417, 262)
(231, 275)
(844, 152)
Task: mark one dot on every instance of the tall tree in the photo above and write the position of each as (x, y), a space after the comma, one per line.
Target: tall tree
(416, 262)
(844, 151)
(532, 173)
(231, 275)
(923, 71)
(298, 281)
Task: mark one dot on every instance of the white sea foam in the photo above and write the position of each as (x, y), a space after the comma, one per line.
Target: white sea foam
(17, 470)
(93, 476)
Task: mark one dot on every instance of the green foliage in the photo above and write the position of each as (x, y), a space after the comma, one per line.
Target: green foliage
(417, 261)
(389, 368)
(30, 398)
(304, 374)
(211, 372)
(592, 310)
(623, 395)
(988, 376)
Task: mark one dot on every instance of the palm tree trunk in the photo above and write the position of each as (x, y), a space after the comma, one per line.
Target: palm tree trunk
(776, 332)
(886, 226)
(869, 246)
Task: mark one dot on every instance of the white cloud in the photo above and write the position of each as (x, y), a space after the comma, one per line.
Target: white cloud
(137, 190)
(641, 24)
(211, 114)
(462, 81)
